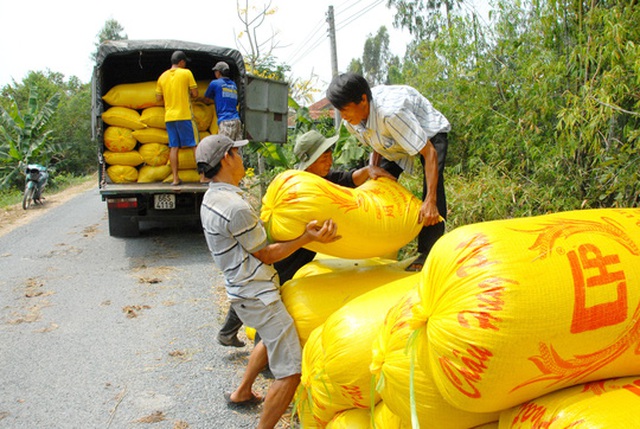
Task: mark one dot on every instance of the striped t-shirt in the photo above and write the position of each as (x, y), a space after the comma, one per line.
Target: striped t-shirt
(400, 122)
(233, 232)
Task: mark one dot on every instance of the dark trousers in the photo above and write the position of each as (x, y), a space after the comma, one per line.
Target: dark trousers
(429, 234)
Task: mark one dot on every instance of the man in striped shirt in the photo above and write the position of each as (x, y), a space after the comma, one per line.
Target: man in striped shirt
(238, 243)
(399, 123)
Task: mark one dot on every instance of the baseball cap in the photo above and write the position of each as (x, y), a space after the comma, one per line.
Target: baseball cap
(309, 146)
(211, 149)
(221, 66)
(178, 56)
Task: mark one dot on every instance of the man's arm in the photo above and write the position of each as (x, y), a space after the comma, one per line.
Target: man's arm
(274, 252)
(370, 172)
(429, 214)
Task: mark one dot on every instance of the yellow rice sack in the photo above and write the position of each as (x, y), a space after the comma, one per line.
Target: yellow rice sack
(511, 310)
(187, 176)
(186, 159)
(213, 128)
(151, 135)
(314, 406)
(323, 264)
(202, 115)
(154, 153)
(383, 417)
(149, 174)
(613, 403)
(131, 158)
(123, 117)
(340, 377)
(310, 300)
(122, 174)
(203, 134)
(119, 139)
(375, 219)
(133, 95)
(391, 366)
(354, 418)
(153, 117)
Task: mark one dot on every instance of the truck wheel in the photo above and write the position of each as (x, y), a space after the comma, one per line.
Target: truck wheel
(123, 226)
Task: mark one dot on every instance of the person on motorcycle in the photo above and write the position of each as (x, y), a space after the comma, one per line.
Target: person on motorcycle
(38, 174)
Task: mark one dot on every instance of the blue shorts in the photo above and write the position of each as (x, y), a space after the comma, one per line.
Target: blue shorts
(181, 134)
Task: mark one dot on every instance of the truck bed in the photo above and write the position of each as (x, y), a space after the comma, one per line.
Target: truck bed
(151, 188)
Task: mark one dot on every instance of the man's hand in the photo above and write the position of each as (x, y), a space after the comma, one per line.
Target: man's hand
(429, 214)
(375, 172)
(327, 233)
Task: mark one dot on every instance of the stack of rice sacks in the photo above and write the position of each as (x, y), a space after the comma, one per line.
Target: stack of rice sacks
(520, 323)
(136, 139)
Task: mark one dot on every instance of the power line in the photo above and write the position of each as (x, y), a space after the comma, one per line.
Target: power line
(310, 44)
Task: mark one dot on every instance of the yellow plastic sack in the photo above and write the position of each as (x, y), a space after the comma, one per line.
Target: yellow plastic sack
(323, 264)
(312, 299)
(122, 174)
(383, 417)
(123, 117)
(131, 158)
(202, 115)
(354, 418)
(202, 135)
(119, 139)
(149, 174)
(511, 310)
(391, 366)
(153, 117)
(133, 95)
(315, 406)
(613, 403)
(154, 153)
(151, 135)
(339, 377)
(186, 159)
(213, 128)
(187, 176)
(375, 219)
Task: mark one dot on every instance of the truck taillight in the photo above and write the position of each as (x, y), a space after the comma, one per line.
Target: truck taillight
(122, 203)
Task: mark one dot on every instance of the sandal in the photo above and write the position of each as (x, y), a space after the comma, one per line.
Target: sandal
(417, 263)
(254, 400)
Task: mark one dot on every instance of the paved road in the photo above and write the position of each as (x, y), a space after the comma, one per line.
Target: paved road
(102, 332)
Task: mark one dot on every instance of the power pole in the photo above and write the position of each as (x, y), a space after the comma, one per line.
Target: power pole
(334, 59)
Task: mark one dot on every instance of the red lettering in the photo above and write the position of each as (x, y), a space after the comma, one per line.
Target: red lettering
(633, 388)
(465, 376)
(590, 270)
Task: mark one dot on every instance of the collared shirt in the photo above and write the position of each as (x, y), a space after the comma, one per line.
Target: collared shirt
(233, 232)
(400, 122)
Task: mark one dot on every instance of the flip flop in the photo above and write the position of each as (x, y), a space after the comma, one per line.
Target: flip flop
(254, 400)
(178, 183)
(417, 263)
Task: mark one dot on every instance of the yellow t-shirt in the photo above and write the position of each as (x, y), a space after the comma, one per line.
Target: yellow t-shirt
(174, 85)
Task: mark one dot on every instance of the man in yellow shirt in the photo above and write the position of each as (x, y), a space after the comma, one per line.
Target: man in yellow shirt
(176, 87)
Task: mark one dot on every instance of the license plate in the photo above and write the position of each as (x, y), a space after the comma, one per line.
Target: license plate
(164, 201)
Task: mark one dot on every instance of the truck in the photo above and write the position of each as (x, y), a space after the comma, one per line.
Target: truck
(263, 108)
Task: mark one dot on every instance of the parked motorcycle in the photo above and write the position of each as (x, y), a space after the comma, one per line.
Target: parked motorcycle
(36, 179)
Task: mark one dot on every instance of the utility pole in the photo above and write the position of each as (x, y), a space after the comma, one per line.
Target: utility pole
(334, 59)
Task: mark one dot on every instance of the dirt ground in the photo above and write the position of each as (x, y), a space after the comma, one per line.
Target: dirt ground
(12, 217)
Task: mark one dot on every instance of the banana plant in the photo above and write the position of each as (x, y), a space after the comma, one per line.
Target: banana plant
(24, 137)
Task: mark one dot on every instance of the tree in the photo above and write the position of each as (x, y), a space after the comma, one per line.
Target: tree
(112, 30)
(376, 57)
(24, 137)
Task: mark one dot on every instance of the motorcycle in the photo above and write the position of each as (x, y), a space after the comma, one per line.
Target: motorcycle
(36, 179)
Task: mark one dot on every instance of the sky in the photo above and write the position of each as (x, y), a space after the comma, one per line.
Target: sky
(61, 35)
